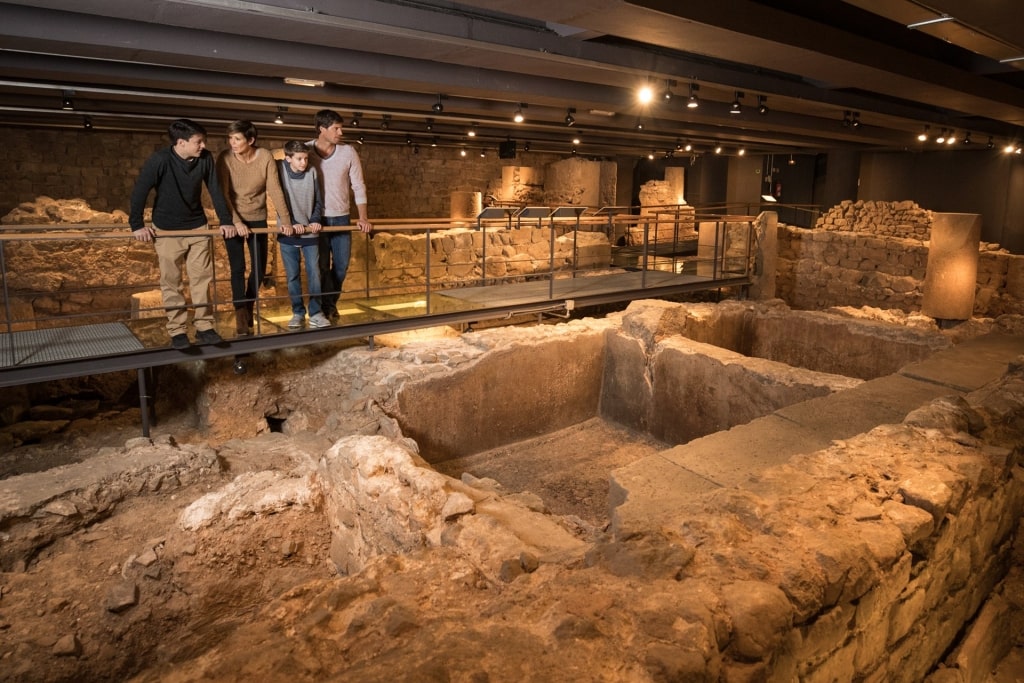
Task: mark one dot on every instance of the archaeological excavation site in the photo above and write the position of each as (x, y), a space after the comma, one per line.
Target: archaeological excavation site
(484, 342)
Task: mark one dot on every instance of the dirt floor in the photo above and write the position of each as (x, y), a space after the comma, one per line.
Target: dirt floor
(59, 619)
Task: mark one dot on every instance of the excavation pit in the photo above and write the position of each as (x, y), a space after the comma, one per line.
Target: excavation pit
(555, 415)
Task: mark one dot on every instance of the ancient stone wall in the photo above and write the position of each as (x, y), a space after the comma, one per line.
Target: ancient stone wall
(892, 219)
(823, 268)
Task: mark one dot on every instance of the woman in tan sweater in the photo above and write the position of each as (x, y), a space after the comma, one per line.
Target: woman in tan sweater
(247, 173)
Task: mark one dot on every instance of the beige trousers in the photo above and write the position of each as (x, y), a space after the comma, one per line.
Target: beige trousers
(196, 253)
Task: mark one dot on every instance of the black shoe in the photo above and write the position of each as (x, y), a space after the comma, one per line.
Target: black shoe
(180, 341)
(208, 337)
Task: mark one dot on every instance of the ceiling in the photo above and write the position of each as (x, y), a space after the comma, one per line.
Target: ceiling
(135, 64)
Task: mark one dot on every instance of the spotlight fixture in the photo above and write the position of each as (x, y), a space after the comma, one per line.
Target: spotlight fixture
(518, 116)
(688, 147)
(942, 137)
(762, 108)
(792, 161)
(279, 119)
(639, 125)
(951, 138)
(1009, 148)
(645, 94)
(742, 151)
(693, 102)
(361, 139)
(991, 143)
(573, 151)
(847, 118)
(967, 138)
(415, 149)
(526, 146)
(736, 108)
(679, 145)
(471, 132)
(385, 121)
(923, 135)
(356, 115)
(462, 152)
(433, 142)
(718, 148)
(576, 140)
(430, 125)
(855, 121)
(437, 106)
(408, 139)
(87, 123)
(667, 95)
(569, 118)
(650, 156)
(483, 154)
(66, 102)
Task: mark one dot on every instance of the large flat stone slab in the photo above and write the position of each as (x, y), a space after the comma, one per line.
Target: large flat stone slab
(969, 365)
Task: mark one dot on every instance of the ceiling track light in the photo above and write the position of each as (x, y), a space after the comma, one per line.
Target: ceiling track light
(942, 137)
(66, 101)
(361, 139)
(355, 119)
(437, 106)
(385, 122)
(967, 138)
(667, 95)
(923, 135)
(688, 147)
(692, 102)
(847, 118)
(639, 125)
(762, 108)
(718, 148)
(991, 143)
(526, 146)
(279, 119)
(87, 123)
(430, 125)
(569, 118)
(736, 107)
(792, 161)
(518, 116)
(855, 121)
(645, 94)
(472, 130)
(951, 138)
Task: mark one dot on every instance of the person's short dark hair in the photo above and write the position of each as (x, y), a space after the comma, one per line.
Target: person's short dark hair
(293, 146)
(325, 118)
(184, 129)
(246, 128)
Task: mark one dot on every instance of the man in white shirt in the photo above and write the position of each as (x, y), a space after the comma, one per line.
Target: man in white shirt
(342, 177)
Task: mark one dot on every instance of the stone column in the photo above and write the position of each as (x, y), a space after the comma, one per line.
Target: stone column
(466, 206)
(766, 256)
(952, 271)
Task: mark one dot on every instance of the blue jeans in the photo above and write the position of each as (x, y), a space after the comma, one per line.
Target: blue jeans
(335, 252)
(292, 254)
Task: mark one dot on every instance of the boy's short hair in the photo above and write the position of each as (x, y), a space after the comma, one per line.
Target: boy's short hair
(184, 129)
(294, 146)
(325, 118)
(246, 128)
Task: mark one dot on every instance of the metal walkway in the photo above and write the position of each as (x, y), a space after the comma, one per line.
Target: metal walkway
(60, 353)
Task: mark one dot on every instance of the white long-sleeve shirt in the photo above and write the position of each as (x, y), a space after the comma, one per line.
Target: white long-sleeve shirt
(341, 176)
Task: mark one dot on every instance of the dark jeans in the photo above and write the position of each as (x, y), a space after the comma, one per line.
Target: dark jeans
(335, 251)
(244, 290)
(292, 255)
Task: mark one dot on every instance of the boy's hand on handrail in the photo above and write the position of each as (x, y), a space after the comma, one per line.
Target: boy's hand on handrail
(144, 234)
(289, 230)
(314, 228)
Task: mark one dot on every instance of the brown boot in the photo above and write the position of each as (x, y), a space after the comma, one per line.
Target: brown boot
(242, 322)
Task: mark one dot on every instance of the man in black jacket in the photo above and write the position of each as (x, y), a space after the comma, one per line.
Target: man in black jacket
(178, 173)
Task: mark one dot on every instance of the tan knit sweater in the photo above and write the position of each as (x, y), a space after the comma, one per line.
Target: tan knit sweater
(246, 185)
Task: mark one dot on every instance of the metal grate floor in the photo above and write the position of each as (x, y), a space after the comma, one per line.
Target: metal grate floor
(65, 343)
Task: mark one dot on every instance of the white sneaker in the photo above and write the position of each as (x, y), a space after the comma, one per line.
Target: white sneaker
(296, 322)
(319, 320)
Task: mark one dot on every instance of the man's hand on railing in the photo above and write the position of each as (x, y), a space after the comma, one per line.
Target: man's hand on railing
(364, 225)
(144, 234)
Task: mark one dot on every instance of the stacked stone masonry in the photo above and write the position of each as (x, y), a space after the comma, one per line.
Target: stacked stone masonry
(877, 255)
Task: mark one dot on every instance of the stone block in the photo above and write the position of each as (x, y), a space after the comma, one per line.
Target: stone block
(147, 305)
(952, 267)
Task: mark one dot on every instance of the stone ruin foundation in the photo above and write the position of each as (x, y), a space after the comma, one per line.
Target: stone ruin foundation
(865, 560)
